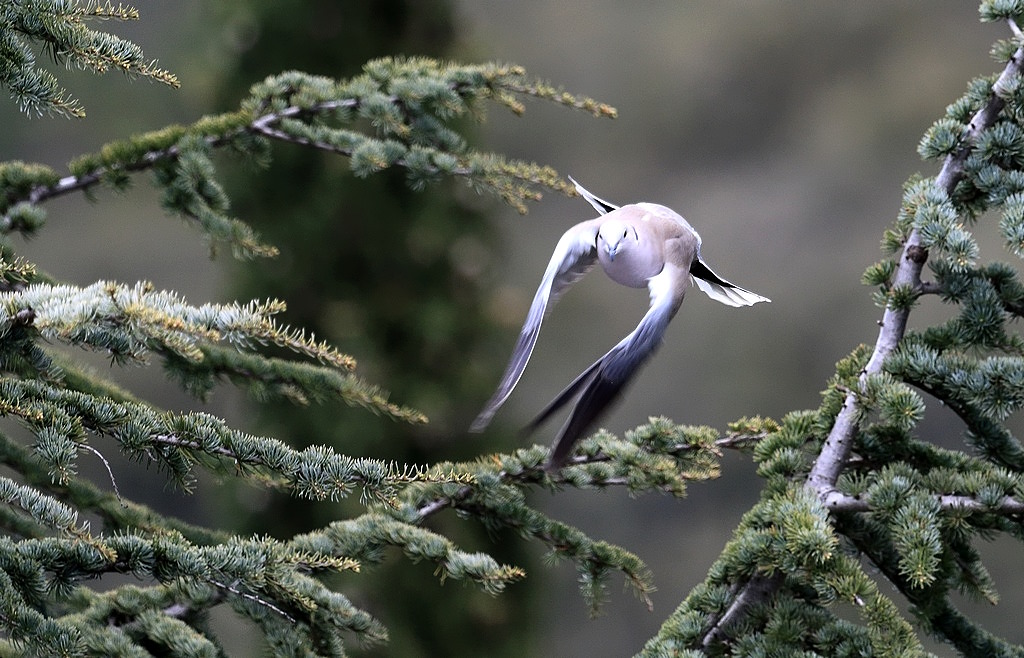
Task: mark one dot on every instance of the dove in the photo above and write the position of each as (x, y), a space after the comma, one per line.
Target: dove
(640, 245)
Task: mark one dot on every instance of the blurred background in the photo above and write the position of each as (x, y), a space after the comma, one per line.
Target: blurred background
(782, 131)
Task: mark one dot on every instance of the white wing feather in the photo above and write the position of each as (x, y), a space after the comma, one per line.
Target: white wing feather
(574, 256)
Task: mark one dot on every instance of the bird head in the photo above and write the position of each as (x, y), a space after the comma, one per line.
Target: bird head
(616, 235)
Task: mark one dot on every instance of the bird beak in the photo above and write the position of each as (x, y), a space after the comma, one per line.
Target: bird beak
(612, 249)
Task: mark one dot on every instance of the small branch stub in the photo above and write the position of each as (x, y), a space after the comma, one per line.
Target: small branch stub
(917, 254)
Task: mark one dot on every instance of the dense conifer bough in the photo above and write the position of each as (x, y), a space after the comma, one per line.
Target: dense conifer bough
(62, 530)
(850, 482)
(851, 490)
(60, 28)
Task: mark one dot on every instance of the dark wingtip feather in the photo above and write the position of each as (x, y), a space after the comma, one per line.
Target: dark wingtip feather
(594, 402)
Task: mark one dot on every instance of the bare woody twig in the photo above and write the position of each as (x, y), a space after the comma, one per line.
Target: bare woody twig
(106, 465)
(252, 597)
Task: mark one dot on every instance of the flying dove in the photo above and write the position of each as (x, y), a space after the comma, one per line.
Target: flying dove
(638, 245)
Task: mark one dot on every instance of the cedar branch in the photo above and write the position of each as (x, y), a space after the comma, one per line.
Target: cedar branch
(835, 451)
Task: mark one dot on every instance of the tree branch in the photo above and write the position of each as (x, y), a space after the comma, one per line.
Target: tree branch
(837, 501)
(260, 125)
(756, 590)
(837, 446)
(731, 441)
(106, 465)
(251, 597)
(268, 125)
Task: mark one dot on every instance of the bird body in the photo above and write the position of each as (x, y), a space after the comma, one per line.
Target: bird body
(630, 256)
(638, 245)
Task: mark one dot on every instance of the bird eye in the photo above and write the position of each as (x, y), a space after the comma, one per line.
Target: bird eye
(625, 232)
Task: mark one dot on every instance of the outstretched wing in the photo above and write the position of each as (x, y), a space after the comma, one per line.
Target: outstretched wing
(575, 254)
(600, 205)
(721, 290)
(603, 381)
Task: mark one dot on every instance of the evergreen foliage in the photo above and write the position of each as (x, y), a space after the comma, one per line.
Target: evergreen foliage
(418, 311)
(852, 489)
(60, 29)
(851, 486)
